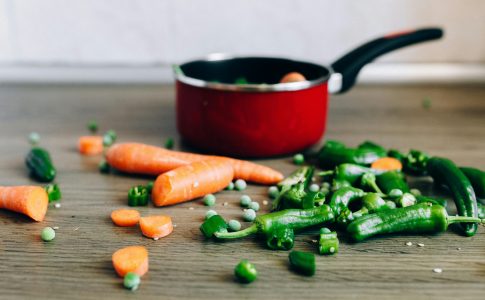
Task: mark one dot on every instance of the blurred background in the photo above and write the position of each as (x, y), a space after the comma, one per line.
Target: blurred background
(138, 40)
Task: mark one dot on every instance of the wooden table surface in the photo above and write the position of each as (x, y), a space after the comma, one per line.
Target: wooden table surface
(77, 264)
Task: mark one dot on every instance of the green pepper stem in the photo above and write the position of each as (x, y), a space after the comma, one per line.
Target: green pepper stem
(462, 219)
(237, 234)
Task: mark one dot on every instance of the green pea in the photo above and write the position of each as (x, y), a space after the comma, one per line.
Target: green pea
(254, 206)
(93, 126)
(104, 167)
(249, 215)
(230, 187)
(34, 138)
(131, 281)
(395, 193)
(273, 192)
(415, 192)
(209, 200)
(240, 185)
(234, 225)
(245, 272)
(298, 159)
(210, 213)
(326, 185)
(169, 143)
(47, 234)
(245, 200)
(314, 188)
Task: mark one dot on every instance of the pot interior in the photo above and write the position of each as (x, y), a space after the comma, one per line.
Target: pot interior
(251, 70)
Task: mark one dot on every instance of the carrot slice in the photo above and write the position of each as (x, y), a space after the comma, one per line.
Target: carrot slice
(387, 164)
(192, 181)
(156, 226)
(292, 77)
(28, 200)
(90, 145)
(125, 217)
(151, 160)
(131, 259)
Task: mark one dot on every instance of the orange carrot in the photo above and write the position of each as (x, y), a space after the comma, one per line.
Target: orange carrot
(90, 145)
(191, 181)
(145, 159)
(387, 164)
(125, 217)
(156, 226)
(131, 259)
(28, 200)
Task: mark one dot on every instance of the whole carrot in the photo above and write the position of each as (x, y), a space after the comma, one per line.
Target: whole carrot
(192, 181)
(28, 200)
(145, 159)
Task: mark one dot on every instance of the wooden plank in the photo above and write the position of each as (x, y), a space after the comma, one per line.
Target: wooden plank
(76, 265)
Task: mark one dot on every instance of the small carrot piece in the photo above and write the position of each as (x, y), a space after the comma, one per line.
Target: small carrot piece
(151, 160)
(387, 164)
(292, 77)
(125, 217)
(90, 145)
(28, 200)
(131, 259)
(192, 181)
(156, 226)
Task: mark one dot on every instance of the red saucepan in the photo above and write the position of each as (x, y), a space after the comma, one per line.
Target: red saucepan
(264, 117)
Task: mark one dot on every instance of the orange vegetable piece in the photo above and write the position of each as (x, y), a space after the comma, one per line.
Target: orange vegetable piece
(31, 201)
(292, 77)
(151, 160)
(156, 226)
(125, 217)
(192, 181)
(131, 259)
(90, 145)
(387, 164)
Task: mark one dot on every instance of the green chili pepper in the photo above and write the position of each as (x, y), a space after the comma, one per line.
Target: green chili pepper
(435, 201)
(294, 219)
(341, 198)
(347, 174)
(477, 179)
(149, 186)
(138, 196)
(213, 225)
(328, 242)
(109, 138)
(104, 167)
(302, 262)
(415, 163)
(280, 238)
(419, 218)
(331, 156)
(368, 180)
(371, 145)
(40, 165)
(407, 199)
(444, 171)
(245, 272)
(292, 189)
(481, 210)
(371, 203)
(395, 154)
(311, 199)
(391, 180)
(53, 192)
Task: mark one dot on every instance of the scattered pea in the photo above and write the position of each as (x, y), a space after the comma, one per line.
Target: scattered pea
(47, 234)
(298, 159)
(210, 213)
(34, 138)
(265, 202)
(395, 193)
(326, 185)
(249, 215)
(426, 103)
(104, 167)
(240, 185)
(273, 192)
(209, 200)
(230, 187)
(254, 206)
(314, 188)
(92, 126)
(245, 272)
(131, 281)
(415, 192)
(234, 225)
(109, 138)
(245, 200)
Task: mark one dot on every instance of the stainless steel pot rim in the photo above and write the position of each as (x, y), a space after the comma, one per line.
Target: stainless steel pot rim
(279, 87)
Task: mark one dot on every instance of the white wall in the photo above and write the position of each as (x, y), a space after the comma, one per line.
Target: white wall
(147, 32)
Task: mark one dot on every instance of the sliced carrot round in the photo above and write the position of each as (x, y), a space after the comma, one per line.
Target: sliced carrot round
(131, 259)
(156, 226)
(90, 145)
(125, 217)
(387, 164)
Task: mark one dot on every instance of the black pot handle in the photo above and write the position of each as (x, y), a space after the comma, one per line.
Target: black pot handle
(351, 63)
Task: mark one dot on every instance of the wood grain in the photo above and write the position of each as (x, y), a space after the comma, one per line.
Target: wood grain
(76, 265)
